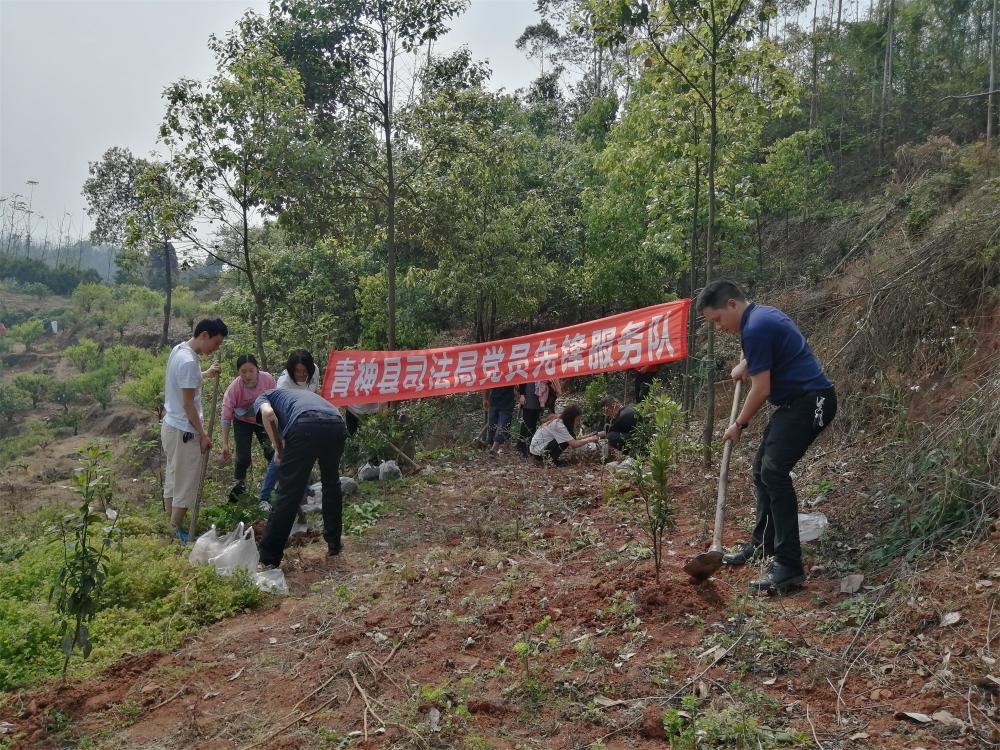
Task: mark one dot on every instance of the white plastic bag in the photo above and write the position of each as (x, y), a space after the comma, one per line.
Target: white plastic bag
(348, 486)
(368, 473)
(240, 553)
(812, 526)
(272, 581)
(389, 470)
(207, 546)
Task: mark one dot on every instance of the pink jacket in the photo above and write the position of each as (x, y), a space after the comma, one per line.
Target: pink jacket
(239, 399)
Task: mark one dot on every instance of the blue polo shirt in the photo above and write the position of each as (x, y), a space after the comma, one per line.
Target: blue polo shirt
(771, 341)
(291, 403)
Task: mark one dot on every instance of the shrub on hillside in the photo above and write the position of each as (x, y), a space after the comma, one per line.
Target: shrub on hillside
(12, 400)
(85, 356)
(35, 385)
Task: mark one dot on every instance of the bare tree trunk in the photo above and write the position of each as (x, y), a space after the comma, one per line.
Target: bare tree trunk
(993, 51)
(688, 364)
(388, 67)
(814, 98)
(258, 302)
(167, 297)
(886, 76)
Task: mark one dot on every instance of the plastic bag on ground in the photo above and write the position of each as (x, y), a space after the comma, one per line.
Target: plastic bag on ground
(299, 528)
(389, 470)
(239, 554)
(368, 473)
(812, 526)
(348, 486)
(207, 546)
(272, 581)
(626, 464)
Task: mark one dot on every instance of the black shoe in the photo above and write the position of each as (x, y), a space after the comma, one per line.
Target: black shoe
(745, 554)
(779, 579)
(333, 550)
(237, 490)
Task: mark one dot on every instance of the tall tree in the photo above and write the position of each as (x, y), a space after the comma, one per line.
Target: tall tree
(350, 54)
(238, 142)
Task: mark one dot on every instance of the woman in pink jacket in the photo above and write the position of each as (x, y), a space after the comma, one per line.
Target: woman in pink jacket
(238, 414)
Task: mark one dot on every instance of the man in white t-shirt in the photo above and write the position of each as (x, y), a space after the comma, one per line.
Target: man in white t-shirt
(182, 431)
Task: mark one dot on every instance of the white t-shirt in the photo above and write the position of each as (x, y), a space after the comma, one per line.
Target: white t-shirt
(183, 371)
(287, 381)
(554, 430)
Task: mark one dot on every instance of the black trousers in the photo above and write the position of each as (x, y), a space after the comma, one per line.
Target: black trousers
(793, 427)
(243, 434)
(529, 423)
(553, 450)
(309, 440)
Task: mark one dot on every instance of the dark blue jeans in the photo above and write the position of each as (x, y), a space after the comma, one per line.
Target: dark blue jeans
(793, 427)
(243, 435)
(310, 439)
(498, 425)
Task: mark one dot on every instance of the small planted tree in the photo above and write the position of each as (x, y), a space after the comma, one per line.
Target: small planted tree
(28, 332)
(126, 360)
(97, 385)
(78, 586)
(64, 393)
(12, 400)
(35, 385)
(85, 356)
(654, 448)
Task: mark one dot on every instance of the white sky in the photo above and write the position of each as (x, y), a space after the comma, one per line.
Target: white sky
(79, 76)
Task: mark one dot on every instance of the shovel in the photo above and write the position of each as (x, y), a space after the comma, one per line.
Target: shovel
(701, 567)
(192, 528)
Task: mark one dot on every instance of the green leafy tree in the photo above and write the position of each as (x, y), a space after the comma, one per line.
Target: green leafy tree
(97, 385)
(124, 315)
(146, 392)
(12, 400)
(349, 53)
(27, 332)
(92, 297)
(126, 360)
(237, 144)
(186, 307)
(35, 385)
(79, 584)
(85, 355)
(65, 393)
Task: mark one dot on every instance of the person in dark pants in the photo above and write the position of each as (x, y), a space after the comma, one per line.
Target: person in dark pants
(499, 403)
(783, 370)
(238, 417)
(622, 420)
(531, 411)
(644, 377)
(304, 428)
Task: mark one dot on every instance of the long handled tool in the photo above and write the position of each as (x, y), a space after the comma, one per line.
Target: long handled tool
(192, 529)
(701, 567)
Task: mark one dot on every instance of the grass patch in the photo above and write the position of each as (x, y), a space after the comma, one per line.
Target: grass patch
(33, 434)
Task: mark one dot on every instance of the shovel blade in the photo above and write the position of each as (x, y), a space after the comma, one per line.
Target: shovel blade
(701, 567)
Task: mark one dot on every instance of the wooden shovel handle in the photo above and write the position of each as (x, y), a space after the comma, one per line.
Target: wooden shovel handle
(193, 525)
(727, 451)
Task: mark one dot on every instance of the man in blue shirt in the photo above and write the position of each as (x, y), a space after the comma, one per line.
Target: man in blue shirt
(304, 428)
(783, 370)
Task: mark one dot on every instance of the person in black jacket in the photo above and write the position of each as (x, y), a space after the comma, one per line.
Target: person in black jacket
(531, 410)
(622, 420)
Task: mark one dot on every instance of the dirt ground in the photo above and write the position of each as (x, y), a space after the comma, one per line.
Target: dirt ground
(504, 605)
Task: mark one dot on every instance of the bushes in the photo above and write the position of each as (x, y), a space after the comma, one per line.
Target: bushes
(85, 356)
(59, 280)
(152, 597)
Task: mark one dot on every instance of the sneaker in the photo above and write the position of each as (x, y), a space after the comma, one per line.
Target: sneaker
(779, 579)
(745, 554)
(265, 506)
(182, 535)
(236, 491)
(333, 550)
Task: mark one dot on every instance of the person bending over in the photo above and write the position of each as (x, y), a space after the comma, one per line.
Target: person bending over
(238, 416)
(304, 429)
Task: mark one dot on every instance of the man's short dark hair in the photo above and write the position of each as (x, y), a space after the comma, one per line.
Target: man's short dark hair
(717, 293)
(608, 401)
(212, 326)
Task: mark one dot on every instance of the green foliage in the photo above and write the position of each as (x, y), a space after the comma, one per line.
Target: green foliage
(28, 332)
(225, 516)
(12, 400)
(92, 297)
(35, 385)
(96, 384)
(65, 393)
(732, 728)
(85, 355)
(654, 447)
(146, 391)
(61, 280)
(33, 434)
(127, 361)
(417, 318)
(80, 582)
(36, 289)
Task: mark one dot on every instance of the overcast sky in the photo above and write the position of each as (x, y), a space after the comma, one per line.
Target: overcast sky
(79, 76)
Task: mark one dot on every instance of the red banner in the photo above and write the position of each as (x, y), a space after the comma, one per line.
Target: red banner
(650, 336)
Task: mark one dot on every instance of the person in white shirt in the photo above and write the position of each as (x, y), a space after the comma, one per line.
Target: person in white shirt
(182, 431)
(558, 434)
(300, 372)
